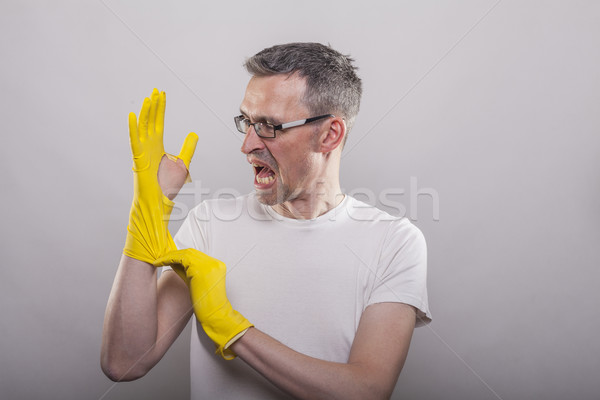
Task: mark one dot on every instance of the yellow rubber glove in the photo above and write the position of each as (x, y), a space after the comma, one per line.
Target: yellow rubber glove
(147, 235)
(205, 276)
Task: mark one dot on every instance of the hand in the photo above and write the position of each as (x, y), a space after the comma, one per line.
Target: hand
(148, 237)
(205, 276)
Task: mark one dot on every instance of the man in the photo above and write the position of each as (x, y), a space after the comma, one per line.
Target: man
(326, 290)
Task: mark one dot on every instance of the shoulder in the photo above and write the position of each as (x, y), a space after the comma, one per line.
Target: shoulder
(397, 227)
(360, 211)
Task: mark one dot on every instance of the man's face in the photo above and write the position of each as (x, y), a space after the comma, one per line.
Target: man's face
(284, 166)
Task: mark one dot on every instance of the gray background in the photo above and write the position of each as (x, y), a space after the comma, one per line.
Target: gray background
(490, 107)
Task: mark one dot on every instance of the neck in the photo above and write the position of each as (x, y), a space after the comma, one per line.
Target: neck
(311, 204)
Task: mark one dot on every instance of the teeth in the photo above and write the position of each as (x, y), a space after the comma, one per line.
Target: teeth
(265, 180)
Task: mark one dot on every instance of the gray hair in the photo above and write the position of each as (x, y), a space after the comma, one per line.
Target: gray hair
(332, 85)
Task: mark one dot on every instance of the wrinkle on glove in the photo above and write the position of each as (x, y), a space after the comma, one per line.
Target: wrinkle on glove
(205, 277)
(148, 237)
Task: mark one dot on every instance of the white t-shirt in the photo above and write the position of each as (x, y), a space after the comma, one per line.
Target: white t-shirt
(303, 282)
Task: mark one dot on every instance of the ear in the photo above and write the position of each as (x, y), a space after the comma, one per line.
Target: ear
(333, 137)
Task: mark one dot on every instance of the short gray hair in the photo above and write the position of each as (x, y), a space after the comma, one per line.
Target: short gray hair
(332, 85)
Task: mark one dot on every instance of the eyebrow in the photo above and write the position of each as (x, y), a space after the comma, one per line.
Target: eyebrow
(262, 118)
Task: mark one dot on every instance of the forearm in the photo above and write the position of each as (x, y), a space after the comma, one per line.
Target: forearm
(306, 377)
(131, 322)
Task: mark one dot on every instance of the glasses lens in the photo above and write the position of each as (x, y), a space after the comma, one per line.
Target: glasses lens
(264, 130)
(241, 124)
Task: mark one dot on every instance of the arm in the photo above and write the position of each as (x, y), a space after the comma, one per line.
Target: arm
(144, 318)
(376, 358)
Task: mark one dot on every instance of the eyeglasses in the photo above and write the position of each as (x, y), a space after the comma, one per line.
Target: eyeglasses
(266, 130)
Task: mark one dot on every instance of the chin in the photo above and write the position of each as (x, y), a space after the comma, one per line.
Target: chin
(267, 198)
(272, 197)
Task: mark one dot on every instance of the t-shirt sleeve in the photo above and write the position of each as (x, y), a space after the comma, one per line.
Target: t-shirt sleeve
(401, 275)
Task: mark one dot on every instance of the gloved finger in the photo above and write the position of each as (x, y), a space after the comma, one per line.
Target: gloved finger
(160, 114)
(143, 120)
(173, 257)
(188, 149)
(152, 115)
(134, 139)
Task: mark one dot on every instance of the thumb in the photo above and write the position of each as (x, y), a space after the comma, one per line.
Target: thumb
(188, 148)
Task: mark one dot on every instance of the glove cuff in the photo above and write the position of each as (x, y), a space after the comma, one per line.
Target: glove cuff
(225, 329)
(148, 237)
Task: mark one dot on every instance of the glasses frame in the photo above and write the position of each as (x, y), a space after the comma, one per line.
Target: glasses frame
(238, 120)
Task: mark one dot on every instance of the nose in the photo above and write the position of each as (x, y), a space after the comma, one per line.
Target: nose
(252, 142)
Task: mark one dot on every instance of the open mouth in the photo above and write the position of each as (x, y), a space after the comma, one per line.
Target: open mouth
(263, 175)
